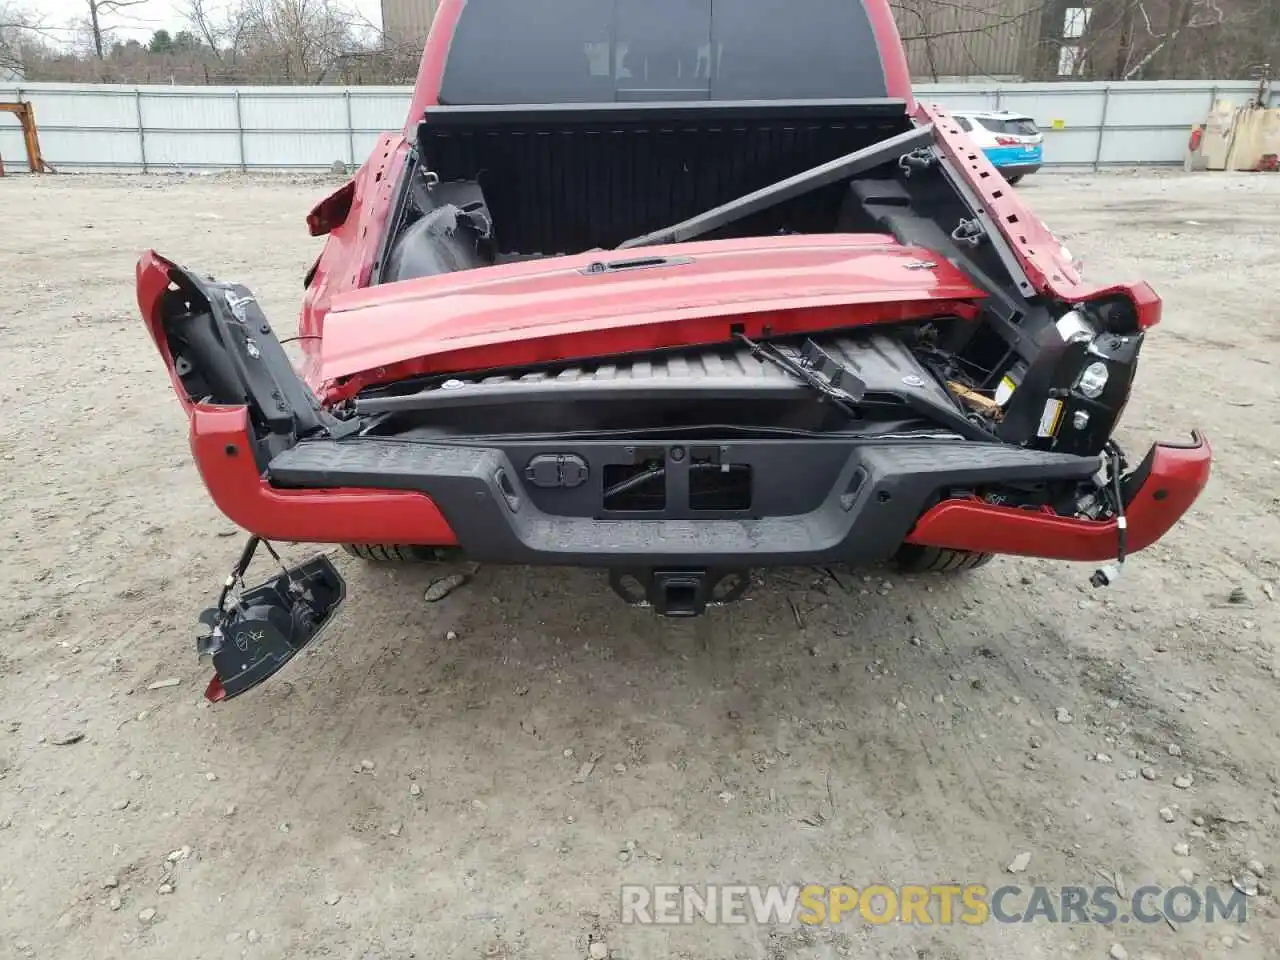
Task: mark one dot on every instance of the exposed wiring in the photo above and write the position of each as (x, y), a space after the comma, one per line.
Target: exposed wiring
(1106, 575)
(639, 480)
(242, 565)
(1117, 464)
(300, 336)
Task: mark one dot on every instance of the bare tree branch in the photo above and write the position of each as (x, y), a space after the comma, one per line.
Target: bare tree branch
(19, 29)
(99, 7)
(969, 36)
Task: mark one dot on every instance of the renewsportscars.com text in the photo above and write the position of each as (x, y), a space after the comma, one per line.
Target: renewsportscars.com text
(925, 904)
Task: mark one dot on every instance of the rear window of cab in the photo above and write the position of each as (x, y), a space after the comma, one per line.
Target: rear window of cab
(603, 51)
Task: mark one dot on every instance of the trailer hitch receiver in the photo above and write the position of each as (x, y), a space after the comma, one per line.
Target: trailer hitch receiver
(679, 592)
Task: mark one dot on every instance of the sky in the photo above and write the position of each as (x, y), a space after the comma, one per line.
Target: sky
(141, 21)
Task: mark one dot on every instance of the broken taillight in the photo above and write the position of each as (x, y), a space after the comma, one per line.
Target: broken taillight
(332, 211)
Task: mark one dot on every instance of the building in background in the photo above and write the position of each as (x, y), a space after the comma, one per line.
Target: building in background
(978, 39)
(405, 22)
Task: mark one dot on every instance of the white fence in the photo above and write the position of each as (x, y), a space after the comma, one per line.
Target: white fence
(156, 128)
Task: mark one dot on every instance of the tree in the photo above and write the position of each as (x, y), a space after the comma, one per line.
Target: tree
(161, 42)
(1166, 39)
(97, 8)
(967, 36)
(222, 31)
(20, 30)
(296, 41)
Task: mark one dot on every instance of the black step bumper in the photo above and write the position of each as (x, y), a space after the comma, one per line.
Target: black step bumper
(838, 501)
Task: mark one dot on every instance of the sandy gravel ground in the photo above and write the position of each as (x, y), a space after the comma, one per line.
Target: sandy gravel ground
(411, 788)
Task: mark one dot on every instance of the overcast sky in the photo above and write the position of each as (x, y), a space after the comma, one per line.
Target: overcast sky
(141, 21)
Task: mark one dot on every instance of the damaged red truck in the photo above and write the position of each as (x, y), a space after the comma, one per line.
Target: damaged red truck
(643, 286)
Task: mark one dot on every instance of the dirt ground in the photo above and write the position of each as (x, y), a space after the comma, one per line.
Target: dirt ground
(412, 788)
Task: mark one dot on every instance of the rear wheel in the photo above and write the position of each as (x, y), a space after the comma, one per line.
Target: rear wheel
(914, 558)
(1015, 179)
(397, 552)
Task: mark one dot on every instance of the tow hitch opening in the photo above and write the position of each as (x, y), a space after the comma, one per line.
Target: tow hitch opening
(679, 592)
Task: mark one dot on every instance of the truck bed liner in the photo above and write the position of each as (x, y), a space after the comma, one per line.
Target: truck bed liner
(615, 172)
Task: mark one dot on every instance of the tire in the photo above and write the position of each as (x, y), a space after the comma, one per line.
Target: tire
(913, 558)
(1014, 180)
(395, 552)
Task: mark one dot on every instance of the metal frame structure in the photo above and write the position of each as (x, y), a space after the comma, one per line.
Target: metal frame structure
(26, 114)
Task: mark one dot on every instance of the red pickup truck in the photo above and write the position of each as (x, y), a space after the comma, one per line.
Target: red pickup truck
(675, 289)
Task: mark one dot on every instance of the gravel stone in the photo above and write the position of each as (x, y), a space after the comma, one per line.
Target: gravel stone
(1246, 884)
(441, 588)
(1019, 863)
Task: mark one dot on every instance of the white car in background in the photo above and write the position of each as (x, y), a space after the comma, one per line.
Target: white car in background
(1012, 141)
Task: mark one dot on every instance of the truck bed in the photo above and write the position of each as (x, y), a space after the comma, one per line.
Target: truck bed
(563, 179)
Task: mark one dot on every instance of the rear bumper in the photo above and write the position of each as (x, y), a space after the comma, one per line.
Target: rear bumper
(1159, 492)
(472, 498)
